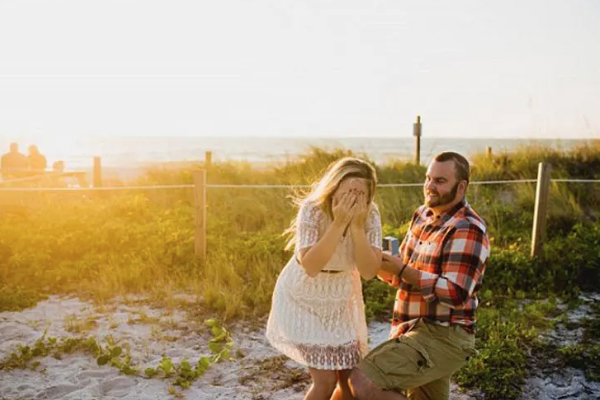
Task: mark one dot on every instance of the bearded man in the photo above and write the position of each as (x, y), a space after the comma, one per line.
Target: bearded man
(438, 273)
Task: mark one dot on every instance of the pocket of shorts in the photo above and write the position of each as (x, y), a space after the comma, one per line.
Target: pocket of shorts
(404, 357)
(470, 351)
(467, 342)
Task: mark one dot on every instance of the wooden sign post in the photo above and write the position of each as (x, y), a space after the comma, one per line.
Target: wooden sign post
(417, 135)
(97, 179)
(200, 215)
(541, 209)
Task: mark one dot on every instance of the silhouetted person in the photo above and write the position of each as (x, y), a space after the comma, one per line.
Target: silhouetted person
(36, 160)
(58, 167)
(13, 164)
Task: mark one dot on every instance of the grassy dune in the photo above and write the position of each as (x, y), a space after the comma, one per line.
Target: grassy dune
(102, 245)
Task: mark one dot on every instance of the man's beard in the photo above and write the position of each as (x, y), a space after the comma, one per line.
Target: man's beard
(440, 201)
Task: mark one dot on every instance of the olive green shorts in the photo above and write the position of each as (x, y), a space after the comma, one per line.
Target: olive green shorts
(420, 362)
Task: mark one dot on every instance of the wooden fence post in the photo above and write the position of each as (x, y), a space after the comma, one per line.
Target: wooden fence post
(417, 135)
(97, 172)
(200, 215)
(488, 152)
(541, 209)
(207, 159)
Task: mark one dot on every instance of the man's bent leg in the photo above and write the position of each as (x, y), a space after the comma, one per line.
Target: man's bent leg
(424, 355)
(436, 390)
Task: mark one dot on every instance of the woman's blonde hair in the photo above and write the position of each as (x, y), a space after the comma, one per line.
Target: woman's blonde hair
(321, 194)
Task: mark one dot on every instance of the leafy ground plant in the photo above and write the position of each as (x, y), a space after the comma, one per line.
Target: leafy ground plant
(118, 355)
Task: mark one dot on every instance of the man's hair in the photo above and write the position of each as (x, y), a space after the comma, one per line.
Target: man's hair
(463, 171)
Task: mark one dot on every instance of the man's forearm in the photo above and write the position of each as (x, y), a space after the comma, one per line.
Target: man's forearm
(398, 272)
(411, 276)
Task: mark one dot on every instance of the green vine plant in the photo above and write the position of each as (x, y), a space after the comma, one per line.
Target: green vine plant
(182, 374)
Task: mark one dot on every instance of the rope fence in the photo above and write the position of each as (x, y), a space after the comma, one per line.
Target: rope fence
(256, 186)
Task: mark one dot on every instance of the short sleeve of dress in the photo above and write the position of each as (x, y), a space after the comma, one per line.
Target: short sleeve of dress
(374, 228)
(307, 226)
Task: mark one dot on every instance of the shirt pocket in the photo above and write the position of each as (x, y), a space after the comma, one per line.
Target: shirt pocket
(427, 257)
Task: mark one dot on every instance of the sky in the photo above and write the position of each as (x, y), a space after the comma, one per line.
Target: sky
(310, 68)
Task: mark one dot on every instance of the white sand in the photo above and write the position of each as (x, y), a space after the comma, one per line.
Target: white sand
(262, 373)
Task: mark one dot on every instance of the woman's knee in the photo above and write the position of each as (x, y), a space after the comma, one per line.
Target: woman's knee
(325, 381)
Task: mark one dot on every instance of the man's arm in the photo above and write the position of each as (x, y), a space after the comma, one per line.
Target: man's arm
(392, 264)
(463, 262)
(464, 257)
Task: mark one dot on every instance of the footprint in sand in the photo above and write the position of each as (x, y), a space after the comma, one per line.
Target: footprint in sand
(10, 331)
(95, 373)
(118, 386)
(57, 391)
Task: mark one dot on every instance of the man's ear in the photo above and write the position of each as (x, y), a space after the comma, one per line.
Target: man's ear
(463, 186)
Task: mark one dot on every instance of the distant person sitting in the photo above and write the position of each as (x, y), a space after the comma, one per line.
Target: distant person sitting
(58, 168)
(36, 160)
(13, 164)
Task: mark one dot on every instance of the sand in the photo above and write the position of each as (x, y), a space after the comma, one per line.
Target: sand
(258, 372)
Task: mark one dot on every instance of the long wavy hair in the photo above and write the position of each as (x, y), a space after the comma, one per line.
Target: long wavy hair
(321, 193)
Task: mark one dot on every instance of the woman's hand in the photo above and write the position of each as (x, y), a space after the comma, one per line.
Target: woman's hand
(361, 210)
(343, 210)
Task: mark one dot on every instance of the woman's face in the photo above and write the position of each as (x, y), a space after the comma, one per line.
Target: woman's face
(354, 186)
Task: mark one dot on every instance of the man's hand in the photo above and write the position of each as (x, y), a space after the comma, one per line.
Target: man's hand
(385, 276)
(390, 264)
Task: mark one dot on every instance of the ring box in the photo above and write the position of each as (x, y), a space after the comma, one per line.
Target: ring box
(391, 244)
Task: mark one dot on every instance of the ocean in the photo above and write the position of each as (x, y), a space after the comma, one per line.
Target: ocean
(133, 153)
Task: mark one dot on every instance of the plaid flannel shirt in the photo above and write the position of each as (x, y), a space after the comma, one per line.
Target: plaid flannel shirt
(450, 251)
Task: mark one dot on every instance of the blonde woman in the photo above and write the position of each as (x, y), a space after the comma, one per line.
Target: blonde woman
(317, 316)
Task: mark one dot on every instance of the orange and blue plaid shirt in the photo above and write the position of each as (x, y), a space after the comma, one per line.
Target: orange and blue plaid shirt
(450, 252)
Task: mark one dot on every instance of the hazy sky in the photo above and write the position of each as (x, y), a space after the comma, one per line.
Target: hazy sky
(300, 68)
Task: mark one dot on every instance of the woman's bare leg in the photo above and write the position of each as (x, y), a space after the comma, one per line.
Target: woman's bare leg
(324, 382)
(343, 392)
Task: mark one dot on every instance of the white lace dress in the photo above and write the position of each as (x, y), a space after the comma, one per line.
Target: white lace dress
(320, 321)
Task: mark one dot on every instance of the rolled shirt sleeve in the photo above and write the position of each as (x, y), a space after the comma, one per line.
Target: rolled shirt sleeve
(464, 258)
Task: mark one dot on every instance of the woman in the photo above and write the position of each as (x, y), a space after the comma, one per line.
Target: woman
(317, 316)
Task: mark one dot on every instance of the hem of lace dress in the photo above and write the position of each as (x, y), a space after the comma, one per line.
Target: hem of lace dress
(325, 357)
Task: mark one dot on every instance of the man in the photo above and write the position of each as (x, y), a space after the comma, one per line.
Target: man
(438, 273)
(36, 160)
(13, 164)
